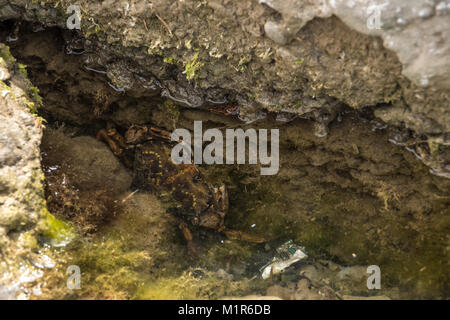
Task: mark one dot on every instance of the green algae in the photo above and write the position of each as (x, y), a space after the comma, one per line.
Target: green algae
(192, 67)
(112, 266)
(170, 60)
(22, 69)
(196, 284)
(36, 96)
(56, 231)
(137, 257)
(5, 53)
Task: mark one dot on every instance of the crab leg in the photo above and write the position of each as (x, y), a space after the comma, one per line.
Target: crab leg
(103, 135)
(188, 236)
(161, 133)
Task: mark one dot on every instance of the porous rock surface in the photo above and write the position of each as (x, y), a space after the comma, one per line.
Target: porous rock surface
(22, 204)
(298, 56)
(276, 54)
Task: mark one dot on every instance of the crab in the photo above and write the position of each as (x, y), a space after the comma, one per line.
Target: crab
(192, 200)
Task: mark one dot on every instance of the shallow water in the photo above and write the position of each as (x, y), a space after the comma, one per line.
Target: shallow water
(341, 216)
(351, 198)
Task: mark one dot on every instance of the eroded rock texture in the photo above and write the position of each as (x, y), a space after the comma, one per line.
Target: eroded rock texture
(286, 55)
(22, 204)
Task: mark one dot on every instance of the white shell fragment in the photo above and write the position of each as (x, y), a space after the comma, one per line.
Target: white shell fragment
(280, 264)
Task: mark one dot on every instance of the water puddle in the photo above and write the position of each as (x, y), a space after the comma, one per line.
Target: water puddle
(356, 200)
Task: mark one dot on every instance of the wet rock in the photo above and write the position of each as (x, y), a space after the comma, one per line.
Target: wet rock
(275, 32)
(239, 268)
(222, 274)
(281, 292)
(305, 291)
(22, 205)
(356, 273)
(89, 163)
(310, 272)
